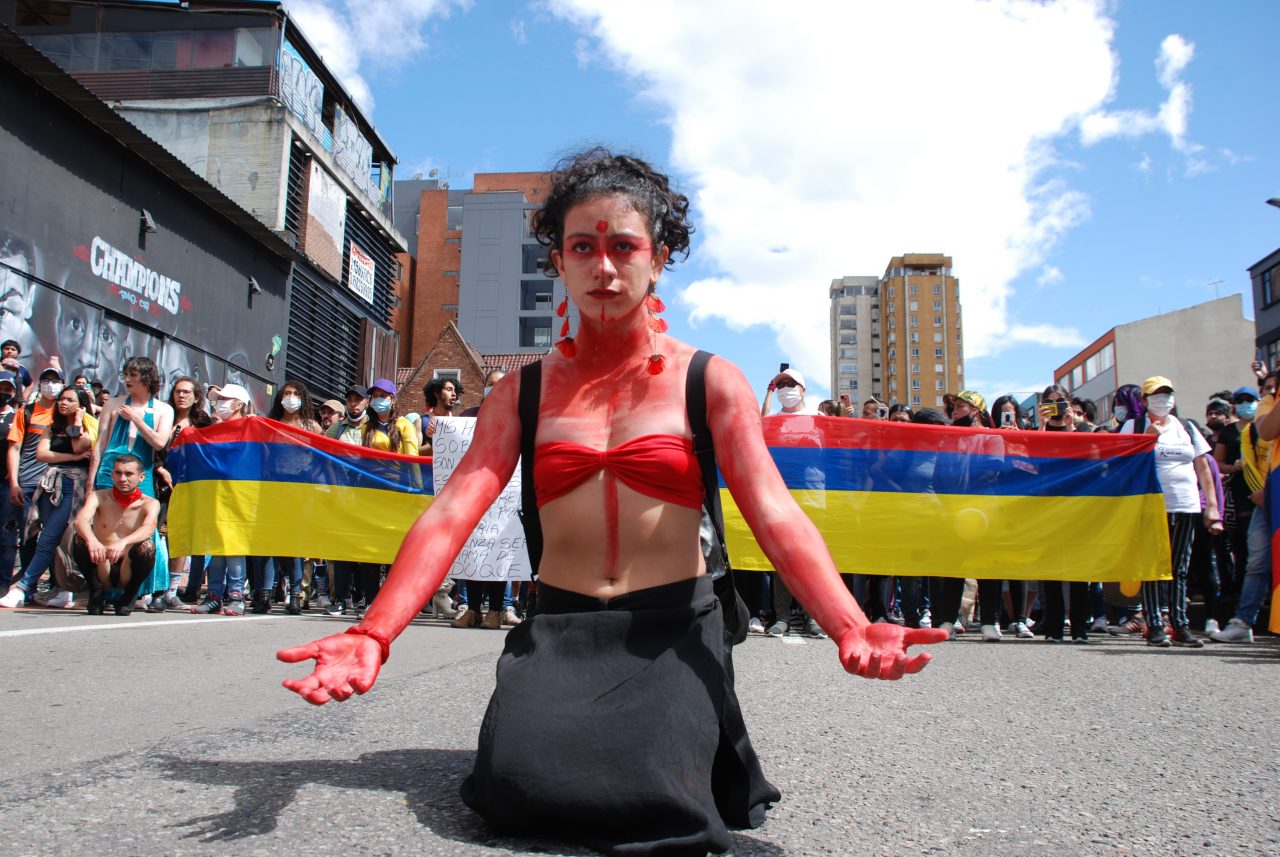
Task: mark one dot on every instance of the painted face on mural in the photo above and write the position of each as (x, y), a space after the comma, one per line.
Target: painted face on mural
(76, 328)
(113, 348)
(17, 293)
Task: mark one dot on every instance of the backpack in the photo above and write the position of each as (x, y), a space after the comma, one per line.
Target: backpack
(711, 532)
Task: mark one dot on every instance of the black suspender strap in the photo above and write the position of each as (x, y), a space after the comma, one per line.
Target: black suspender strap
(529, 403)
(695, 396)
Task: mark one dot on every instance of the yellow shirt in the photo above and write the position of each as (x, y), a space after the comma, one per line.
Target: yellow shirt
(408, 437)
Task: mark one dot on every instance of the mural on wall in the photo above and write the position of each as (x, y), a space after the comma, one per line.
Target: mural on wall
(326, 221)
(302, 91)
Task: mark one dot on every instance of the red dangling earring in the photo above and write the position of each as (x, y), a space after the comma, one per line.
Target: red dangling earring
(566, 345)
(655, 303)
(656, 362)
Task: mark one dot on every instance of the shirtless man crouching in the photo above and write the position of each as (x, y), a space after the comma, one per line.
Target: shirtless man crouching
(113, 545)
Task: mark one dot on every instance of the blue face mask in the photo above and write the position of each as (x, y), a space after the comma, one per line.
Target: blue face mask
(380, 406)
(1247, 410)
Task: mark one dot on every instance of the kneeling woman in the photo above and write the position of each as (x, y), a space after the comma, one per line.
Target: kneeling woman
(614, 719)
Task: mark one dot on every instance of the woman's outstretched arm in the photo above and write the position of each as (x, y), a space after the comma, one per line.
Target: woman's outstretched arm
(791, 541)
(348, 663)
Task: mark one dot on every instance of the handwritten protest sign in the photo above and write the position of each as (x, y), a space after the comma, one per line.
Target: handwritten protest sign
(496, 548)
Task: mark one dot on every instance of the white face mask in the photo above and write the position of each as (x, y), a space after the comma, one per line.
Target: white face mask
(1122, 413)
(1160, 404)
(790, 397)
(222, 408)
(50, 389)
(291, 403)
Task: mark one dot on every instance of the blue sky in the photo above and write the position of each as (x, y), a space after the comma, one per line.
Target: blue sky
(1085, 164)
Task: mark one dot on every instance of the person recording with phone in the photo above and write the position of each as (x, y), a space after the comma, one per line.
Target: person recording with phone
(789, 385)
(874, 409)
(1055, 415)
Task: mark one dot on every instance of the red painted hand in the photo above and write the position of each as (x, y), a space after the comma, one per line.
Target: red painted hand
(345, 664)
(880, 650)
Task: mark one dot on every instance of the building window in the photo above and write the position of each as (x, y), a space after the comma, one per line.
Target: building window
(893, 386)
(937, 367)
(915, 368)
(915, 383)
(915, 321)
(937, 288)
(913, 290)
(893, 337)
(937, 306)
(914, 306)
(447, 374)
(915, 337)
(853, 385)
(535, 295)
(893, 368)
(915, 353)
(453, 274)
(532, 258)
(937, 385)
(891, 294)
(937, 321)
(893, 322)
(453, 218)
(915, 400)
(937, 337)
(535, 332)
(1267, 296)
(937, 352)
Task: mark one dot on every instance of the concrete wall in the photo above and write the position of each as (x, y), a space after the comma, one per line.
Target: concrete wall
(1202, 349)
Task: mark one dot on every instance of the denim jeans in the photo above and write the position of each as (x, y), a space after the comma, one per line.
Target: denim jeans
(1257, 570)
(226, 576)
(266, 570)
(10, 528)
(54, 521)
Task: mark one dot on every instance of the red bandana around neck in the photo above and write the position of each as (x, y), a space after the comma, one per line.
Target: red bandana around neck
(125, 500)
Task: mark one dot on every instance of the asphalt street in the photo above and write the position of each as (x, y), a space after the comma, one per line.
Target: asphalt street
(170, 734)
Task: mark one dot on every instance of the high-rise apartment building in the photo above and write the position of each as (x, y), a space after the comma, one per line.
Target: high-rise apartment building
(855, 337)
(898, 337)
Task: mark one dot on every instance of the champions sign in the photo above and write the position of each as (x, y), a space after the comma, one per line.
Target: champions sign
(116, 267)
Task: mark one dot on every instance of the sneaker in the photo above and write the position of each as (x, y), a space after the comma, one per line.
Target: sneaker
(323, 602)
(755, 626)
(43, 596)
(1081, 640)
(155, 605)
(359, 610)
(950, 628)
(234, 606)
(957, 627)
(1184, 638)
(1211, 626)
(1022, 631)
(13, 598)
(333, 608)
(812, 628)
(466, 618)
(926, 619)
(1099, 625)
(509, 617)
(171, 599)
(1235, 632)
(1159, 639)
(990, 633)
(61, 600)
(210, 604)
(1135, 625)
(777, 629)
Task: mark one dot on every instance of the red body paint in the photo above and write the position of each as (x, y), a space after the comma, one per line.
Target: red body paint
(600, 391)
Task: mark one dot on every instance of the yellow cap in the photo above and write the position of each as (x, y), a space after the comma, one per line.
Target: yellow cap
(1150, 385)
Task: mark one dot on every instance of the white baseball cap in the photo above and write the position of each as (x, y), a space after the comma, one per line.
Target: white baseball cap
(794, 375)
(233, 391)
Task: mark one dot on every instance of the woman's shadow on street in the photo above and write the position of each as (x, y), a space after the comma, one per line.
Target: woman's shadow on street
(428, 779)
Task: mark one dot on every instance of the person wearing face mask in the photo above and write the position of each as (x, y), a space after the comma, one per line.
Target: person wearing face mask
(788, 385)
(385, 430)
(1230, 415)
(1183, 472)
(350, 429)
(226, 574)
(25, 470)
(293, 407)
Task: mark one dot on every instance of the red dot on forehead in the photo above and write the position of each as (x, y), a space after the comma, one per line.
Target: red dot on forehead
(602, 226)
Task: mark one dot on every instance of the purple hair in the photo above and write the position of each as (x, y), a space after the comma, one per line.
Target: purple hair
(1130, 396)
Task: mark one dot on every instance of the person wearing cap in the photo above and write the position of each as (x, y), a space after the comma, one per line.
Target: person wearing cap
(139, 423)
(10, 514)
(350, 429)
(1230, 422)
(789, 385)
(10, 351)
(225, 575)
(384, 430)
(331, 412)
(25, 470)
(1182, 470)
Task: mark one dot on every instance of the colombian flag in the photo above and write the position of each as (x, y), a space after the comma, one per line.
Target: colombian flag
(901, 498)
(256, 487)
(888, 498)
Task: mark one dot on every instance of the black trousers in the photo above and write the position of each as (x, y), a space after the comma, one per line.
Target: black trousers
(1051, 601)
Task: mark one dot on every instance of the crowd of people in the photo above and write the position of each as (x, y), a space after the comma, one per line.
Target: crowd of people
(57, 526)
(1211, 474)
(61, 438)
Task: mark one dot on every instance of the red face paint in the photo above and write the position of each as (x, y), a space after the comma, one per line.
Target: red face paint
(602, 226)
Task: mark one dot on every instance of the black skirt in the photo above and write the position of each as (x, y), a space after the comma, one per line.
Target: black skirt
(615, 723)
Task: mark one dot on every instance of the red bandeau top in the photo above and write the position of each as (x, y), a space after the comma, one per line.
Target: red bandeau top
(661, 466)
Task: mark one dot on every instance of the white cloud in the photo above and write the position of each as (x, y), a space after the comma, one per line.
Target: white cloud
(517, 32)
(350, 34)
(853, 133)
(1050, 275)
(1175, 55)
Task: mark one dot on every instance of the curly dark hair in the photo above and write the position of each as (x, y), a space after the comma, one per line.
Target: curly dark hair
(198, 416)
(307, 413)
(431, 392)
(599, 172)
(147, 372)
